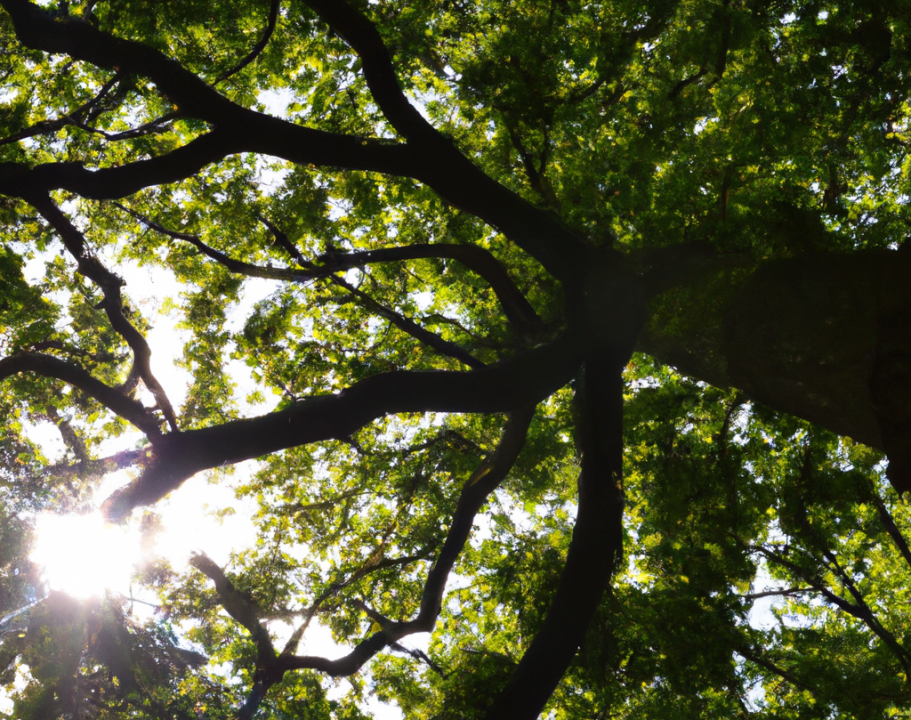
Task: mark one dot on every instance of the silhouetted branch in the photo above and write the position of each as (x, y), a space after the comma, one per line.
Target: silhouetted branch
(81, 115)
(477, 259)
(258, 48)
(127, 408)
(271, 667)
(892, 529)
(501, 387)
(110, 285)
(776, 593)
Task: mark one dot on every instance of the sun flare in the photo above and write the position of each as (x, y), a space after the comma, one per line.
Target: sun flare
(83, 556)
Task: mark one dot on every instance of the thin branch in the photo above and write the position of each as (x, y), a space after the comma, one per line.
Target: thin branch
(869, 617)
(68, 434)
(84, 113)
(407, 325)
(373, 565)
(483, 481)
(477, 259)
(686, 82)
(235, 266)
(535, 177)
(861, 610)
(420, 656)
(776, 593)
(149, 128)
(271, 667)
(433, 340)
(502, 657)
(110, 285)
(756, 658)
(258, 48)
(444, 347)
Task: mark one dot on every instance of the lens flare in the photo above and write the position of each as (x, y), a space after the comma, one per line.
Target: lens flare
(83, 556)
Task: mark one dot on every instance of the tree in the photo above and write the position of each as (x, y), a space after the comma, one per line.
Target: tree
(626, 278)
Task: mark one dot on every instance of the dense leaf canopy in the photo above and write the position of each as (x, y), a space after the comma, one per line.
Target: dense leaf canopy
(584, 347)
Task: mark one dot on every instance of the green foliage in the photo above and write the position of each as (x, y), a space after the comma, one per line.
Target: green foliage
(763, 130)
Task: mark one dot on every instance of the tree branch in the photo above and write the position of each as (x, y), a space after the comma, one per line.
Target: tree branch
(258, 48)
(776, 593)
(502, 387)
(101, 466)
(240, 607)
(400, 321)
(756, 658)
(477, 259)
(445, 347)
(593, 553)
(271, 668)
(89, 266)
(430, 158)
(861, 610)
(127, 408)
(446, 169)
(607, 312)
(83, 114)
(483, 481)
(892, 529)
(361, 34)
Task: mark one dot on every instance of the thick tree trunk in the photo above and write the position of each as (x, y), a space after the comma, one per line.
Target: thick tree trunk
(824, 337)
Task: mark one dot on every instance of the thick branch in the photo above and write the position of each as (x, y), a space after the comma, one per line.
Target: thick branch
(362, 36)
(244, 611)
(593, 553)
(502, 387)
(432, 160)
(127, 408)
(446, 169)
(239, 606)
(607, 314)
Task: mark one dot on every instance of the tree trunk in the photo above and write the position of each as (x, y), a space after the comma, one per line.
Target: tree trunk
(824, 337)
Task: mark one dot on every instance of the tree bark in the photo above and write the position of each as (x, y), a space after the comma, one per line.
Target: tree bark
(803, 335)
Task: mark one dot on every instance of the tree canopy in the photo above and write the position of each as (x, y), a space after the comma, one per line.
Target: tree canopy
(587, 330)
